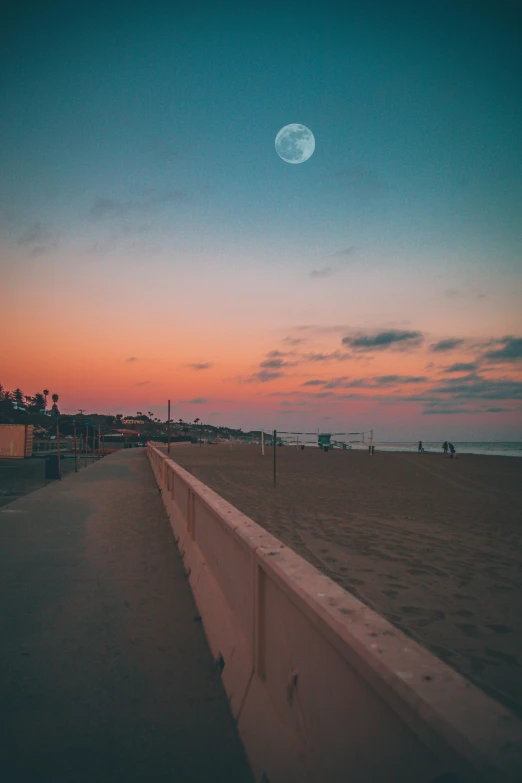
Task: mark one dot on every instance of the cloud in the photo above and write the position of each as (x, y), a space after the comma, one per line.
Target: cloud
(277, 354)
(369, 383)
(263, 376)
(338, 356)
(393, 338)
(276, 364)
(294, 340)
(38, 239)
(131, 359)
(477, 387)
(276, 359)
(447, 411)
(35, 234)
(511, 351)
(267, 375)
(347, 251)
(458, 293)
(385, 380)
(196, 401)
(359, 181)
(497, 410)
(201, 365)
(326, 271)
(108, 207)
(463, 367)
(446, 345)
(105, 208)
(142, 383)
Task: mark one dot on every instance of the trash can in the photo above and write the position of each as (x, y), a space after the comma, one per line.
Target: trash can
(52, 466)
(326, 448)
(302, 448)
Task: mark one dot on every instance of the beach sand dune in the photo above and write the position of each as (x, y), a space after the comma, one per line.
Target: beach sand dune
(432, 544)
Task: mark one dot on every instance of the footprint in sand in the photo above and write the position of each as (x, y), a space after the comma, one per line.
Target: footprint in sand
(501, 656)
(462, 613)
(472, 631)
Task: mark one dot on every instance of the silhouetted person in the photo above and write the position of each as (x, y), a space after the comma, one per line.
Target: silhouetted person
(420, 447)
(452, 450)
(445, 446)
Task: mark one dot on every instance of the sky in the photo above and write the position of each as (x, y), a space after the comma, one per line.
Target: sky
(154, 246)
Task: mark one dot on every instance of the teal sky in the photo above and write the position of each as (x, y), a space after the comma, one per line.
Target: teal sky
(139, 136)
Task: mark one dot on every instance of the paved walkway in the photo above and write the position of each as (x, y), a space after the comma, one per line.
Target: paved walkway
(105, 674)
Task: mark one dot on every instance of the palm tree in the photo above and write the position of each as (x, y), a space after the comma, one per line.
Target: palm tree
(55, 399)
(150, 414)
(45, 394)
(196, 421)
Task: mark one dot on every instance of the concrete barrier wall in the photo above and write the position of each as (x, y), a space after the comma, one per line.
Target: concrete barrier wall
(323, 689)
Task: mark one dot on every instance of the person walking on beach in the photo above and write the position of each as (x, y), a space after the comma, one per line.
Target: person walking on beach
(420, 447)
(445, 447)
(452, 450)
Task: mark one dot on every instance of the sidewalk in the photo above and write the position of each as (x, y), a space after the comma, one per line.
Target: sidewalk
(105, 673)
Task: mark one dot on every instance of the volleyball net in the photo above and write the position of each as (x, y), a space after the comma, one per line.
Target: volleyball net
(324, 440)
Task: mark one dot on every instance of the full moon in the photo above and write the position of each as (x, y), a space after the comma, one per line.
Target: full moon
(295, 143)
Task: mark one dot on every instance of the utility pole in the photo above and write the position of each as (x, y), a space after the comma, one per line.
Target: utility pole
(201, 435)
(58, 443)
(168, 427)
(99, 439)
(263, 442)
(275, 452)
(75, 450)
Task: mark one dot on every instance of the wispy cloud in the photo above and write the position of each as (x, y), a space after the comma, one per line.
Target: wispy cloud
(393, 338)
(365, 183)
(511, 351)
(276, 364)
(196, 401)
(446, 345)
(369, 383)
(459, 293)
(477, 387)
(334, 356)
(131, 359)
(263, 376)
(345, 252)
(200, 365)
(462, 367)
(106, 208)
(38, 238)
(294, 341)
(326, 271)
(142, 383)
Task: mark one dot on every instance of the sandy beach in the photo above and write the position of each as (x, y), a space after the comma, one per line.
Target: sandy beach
(432, 544)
